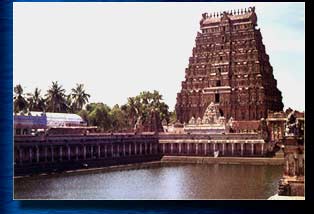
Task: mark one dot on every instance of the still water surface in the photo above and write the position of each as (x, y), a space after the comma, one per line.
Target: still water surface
(193, 181)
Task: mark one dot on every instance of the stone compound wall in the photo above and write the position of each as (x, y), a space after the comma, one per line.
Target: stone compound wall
(36, 154)
(74, 152)
(228, 145)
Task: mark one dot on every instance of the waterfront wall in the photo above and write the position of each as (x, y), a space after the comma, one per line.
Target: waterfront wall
(222, 160)
(228, 145)
(50, 153)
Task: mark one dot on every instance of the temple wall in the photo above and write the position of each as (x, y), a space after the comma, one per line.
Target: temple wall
(74, 152)
(229, 145)
(42, 153)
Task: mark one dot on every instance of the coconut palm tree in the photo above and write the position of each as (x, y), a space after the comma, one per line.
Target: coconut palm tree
(80, 98)
(134, 109)
(20, 103)
(70, 104)
(36, 101)
(56, 98)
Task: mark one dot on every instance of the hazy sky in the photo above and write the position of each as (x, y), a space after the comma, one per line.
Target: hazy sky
(120, 49)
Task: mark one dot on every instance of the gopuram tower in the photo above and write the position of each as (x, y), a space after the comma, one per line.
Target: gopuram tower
(229, 67)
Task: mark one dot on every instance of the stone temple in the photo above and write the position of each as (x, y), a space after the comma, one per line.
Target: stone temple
(229, 67)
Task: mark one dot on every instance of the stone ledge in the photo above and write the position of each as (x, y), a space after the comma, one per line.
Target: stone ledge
(224, 160)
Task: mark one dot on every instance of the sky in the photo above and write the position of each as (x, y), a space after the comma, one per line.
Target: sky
(118, 50)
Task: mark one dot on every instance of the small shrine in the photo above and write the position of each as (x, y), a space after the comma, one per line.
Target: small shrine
(211, 123)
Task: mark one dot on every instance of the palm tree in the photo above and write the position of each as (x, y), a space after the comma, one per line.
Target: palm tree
(56, 99)
(80, 98)
(20, 104)
(70, 107)
(134, 109)
(36, 101)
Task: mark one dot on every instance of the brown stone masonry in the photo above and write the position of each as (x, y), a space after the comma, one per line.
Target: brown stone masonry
(229, 66)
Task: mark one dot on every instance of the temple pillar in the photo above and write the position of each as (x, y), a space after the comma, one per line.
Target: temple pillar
(252, 147)
(223, 149)
(112, 152)
(98, 151)
(180, 148)
(232, 149)
(135, 148)
(105, 150)
(262, 149)
(69, 152)
(30, 154)
(21, 155)
(52, 154)
(84, 152)
(92, 152)
(205, 148)
(164, 148)
(140, 148)
(46, 154)
(118, 150)
(37, 154)
(151, 148)
(60, 153)
(123, 149)
(145, 148)
(214, 147)
(196, 149)
(171, 148)
(76, 152)
(130, 149)
(188, 148)
(241, 149)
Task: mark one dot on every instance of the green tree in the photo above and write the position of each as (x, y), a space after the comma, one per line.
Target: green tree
(123, 118)
(20, 103)
(119, 119)
(172, 117)
(36, 101)
(84, 115)
(132, 109)
(56, 98)
(143, 104)
(70, 107)
(99, 116)
(79, 96)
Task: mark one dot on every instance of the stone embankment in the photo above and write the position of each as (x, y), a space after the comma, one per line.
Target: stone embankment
(53, 154)
(223, 160)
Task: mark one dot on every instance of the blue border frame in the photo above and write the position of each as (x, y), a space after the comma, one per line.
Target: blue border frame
(7, 205)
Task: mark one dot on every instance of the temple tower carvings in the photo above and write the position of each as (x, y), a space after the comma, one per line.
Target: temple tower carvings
(229, 66)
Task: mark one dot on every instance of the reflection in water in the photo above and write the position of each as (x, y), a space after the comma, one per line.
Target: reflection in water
(172, 182)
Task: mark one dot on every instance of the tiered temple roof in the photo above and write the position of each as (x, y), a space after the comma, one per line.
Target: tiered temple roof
(230, 67)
